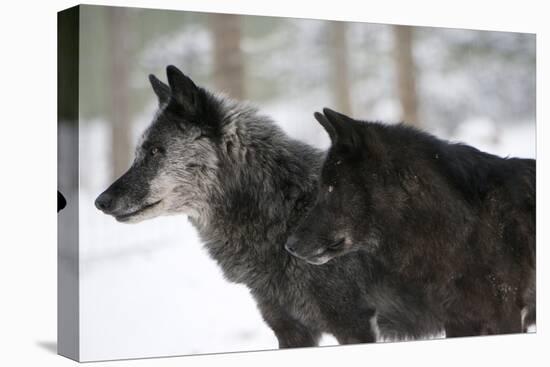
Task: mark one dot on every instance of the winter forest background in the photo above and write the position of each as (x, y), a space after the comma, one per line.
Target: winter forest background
(150, 289)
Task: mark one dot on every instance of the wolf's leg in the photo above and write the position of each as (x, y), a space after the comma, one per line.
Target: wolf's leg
(459, 329)
(355, 336)
(296, 336)
(290, 333)
(529, 318)
(510, 323)
(361, 328)
(529, 311)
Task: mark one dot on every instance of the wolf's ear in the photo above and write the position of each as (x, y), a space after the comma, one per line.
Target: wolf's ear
(161, 90)
(183, 90)
(339, 127)
(326, 124)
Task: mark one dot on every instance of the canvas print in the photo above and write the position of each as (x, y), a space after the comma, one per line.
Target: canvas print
(239, 183)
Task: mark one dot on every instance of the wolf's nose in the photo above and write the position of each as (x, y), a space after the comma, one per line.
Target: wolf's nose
(290, 244)
(104, 202)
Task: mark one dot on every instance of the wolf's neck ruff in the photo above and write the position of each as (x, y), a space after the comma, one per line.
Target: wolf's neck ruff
(265, 183)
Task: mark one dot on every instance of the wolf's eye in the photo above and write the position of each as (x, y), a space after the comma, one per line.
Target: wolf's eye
(154, 151)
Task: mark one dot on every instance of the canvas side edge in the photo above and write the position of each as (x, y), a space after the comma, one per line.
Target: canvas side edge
(68, 331)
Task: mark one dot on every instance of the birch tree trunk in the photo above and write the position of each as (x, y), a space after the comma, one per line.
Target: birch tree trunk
(228, 59)
(338, 54)
(406, 72)
(120, 110)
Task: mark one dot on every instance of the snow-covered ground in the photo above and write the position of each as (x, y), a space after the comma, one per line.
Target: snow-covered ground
(151, 290)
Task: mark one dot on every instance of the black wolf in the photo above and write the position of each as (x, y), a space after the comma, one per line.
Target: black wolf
(245, 185)
(453, 225)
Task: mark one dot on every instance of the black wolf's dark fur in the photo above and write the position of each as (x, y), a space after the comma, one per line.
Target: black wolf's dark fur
(451, 226)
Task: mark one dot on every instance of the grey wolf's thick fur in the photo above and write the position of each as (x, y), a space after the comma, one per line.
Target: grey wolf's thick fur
(245, 186)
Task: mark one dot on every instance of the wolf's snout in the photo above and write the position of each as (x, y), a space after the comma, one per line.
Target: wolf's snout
(291, 244)
(105, 202)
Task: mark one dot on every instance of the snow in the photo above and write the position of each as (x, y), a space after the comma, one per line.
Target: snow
(151, 290)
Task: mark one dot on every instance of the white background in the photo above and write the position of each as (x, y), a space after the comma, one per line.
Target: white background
(28, 159)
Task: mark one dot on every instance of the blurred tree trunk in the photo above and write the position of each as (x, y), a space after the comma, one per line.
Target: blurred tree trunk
(406, 72)
(338, 54)
(228, 59)
(119, 44)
